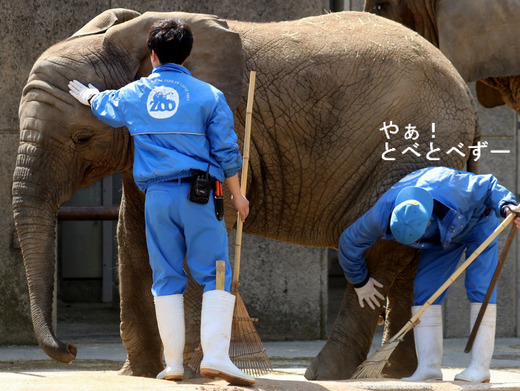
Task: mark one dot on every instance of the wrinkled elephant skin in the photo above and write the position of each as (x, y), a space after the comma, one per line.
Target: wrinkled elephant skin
(325, 87)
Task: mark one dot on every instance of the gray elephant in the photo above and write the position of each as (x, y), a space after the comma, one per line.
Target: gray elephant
(326, 86)
(480, 37)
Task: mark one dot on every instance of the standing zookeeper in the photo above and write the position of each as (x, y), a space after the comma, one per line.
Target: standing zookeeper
(443, 212)
(184, 141)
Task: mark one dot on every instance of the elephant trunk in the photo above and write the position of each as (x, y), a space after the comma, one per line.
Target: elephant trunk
(35, 220)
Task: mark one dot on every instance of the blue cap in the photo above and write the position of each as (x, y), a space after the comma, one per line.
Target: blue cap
(411, 214)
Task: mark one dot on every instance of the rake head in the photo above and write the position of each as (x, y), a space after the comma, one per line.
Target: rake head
(372, 367)
(247, 350)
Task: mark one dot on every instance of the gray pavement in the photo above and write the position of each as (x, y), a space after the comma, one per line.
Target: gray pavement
(25, 367)
(95, 332)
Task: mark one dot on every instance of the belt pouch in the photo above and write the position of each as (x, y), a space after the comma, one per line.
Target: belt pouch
(219, 200)
(200, 187)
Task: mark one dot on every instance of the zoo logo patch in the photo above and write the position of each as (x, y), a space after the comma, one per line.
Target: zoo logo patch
(163, 102)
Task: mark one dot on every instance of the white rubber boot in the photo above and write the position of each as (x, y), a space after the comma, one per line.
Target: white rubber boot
(482, 350)
(215, 337)
(170, 320)
(428, 344)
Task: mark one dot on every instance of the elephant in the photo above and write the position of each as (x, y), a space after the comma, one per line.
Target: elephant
(325, 86)
(478, 36)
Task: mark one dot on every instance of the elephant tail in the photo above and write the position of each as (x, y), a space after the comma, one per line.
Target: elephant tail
(472, 164)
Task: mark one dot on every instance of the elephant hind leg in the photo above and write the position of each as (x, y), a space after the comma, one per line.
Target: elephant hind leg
(403, 360)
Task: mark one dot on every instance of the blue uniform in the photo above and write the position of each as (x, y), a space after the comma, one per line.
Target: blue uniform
(466, 211)
(178, 124)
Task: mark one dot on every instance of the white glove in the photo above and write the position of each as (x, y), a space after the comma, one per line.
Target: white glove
(81, 92)
(369, 293)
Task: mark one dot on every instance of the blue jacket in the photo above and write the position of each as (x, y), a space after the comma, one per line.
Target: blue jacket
(461, 198)
(178, 123)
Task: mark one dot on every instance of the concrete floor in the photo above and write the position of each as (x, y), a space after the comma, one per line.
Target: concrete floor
(95, 331)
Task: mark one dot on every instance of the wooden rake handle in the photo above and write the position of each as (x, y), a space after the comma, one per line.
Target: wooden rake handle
(491, 288)
(243, 179)
(413, 321)
(220, 275)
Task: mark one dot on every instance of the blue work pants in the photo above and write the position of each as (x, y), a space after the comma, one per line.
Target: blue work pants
(177, 227)
(438, 264)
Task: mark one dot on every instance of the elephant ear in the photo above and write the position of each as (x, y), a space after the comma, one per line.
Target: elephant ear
(488, 96)
(105, 20)
(216, 58)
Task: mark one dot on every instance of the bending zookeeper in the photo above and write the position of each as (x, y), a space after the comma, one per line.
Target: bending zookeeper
(444, 213)
(184, 140)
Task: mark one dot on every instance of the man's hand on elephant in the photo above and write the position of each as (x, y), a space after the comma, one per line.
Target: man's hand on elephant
(81, 92)
(370, 294)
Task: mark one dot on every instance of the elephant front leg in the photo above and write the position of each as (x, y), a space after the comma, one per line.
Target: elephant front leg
(351, 337)
(192, 309)
(349, 342)
(139, 330)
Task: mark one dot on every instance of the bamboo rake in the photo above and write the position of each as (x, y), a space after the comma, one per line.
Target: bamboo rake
(246, 349)
(220, 275)
(243, 178)
(491, 288)
(373, 365)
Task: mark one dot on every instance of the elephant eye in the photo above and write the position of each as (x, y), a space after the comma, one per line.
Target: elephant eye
(83, 136)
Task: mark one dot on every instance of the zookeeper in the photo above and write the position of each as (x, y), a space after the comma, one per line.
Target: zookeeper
(184, 140)
(443, 212)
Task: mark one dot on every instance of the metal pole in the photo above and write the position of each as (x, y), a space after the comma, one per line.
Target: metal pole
(106, 282)
(88, 213)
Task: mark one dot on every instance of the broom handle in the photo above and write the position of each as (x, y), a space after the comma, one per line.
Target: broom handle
(411, 323)
(220, 275)
(491, 288)
(243, 179)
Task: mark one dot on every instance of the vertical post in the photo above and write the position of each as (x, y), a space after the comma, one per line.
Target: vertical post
(107, 246)
(221, 274)
(55, 290)
(243, 179)
(516, 250)
(340, 5)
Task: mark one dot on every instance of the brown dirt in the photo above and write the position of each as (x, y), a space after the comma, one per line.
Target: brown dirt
(99, 380)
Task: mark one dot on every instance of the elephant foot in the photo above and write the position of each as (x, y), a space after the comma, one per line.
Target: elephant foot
(312, 371)
(398, 370)
(190, 373)
(320, 369)
(148, 370)
(332, 363)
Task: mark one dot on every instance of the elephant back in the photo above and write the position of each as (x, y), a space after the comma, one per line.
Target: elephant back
(105, 20)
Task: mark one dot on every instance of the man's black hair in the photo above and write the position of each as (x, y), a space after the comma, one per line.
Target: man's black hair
(171, 40)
